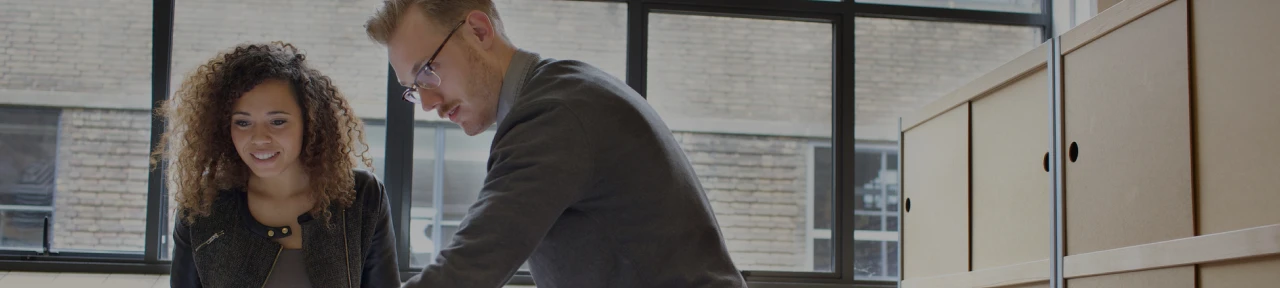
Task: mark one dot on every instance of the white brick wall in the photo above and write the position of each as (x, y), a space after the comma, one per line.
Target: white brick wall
(100, 202)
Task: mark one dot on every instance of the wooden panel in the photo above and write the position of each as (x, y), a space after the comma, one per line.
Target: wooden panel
(1248, 273)
(1011, 192)
(1127, 106)
(936, 184)
(1030, 274)
(1000, 76)
(1176, 277)
(1236, 95)
(1253, 242)
(1031, 285)
(1238, 90)
(1114, 17)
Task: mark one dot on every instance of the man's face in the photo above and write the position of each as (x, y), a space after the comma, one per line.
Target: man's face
(469, 82)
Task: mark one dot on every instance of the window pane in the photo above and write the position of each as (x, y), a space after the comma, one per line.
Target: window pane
(1023, 6)
(900, 66)
(89, 62)
(748, 100)
(329, 32)
(28, 143)
(463, 173)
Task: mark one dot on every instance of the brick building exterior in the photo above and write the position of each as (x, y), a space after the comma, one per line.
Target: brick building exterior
(748, 99)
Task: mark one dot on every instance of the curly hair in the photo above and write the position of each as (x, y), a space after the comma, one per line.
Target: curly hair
(202, 160)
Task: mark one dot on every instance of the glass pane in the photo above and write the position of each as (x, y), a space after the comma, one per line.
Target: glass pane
(867, 264)
(89, 63)
(422, 211)
(900, 66)
(328, 32)
(1023, 6)
(823, 182)
(749, 100)
(822, 259)
(464, 171)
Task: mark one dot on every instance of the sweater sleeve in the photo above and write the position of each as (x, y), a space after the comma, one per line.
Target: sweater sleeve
(538, 167)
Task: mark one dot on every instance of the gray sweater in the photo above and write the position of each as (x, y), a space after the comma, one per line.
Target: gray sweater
(587, 183)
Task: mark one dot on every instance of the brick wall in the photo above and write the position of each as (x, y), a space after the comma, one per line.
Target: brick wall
(901, 65)
(756, 185)
(102, 180)
(82, 52)
(704, 68)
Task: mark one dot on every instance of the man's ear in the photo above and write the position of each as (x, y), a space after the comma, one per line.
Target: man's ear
(483, 28)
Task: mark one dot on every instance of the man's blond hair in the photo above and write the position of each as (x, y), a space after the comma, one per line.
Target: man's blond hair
(444, 13)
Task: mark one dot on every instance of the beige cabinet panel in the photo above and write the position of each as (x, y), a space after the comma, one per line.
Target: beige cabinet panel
(1127, 116)
(936, 190)
(1237, 92)
(1176, 277)
(1246, 273)
(1011, 192)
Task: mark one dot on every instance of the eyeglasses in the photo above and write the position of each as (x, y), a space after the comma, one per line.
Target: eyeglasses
(426, 78)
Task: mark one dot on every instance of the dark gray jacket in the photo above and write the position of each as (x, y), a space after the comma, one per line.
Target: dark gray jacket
(231, 249)
(587, 183)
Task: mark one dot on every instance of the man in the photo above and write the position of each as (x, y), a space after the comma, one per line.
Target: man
(585, 181)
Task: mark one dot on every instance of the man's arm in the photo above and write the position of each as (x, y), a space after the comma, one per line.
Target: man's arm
(538, 168)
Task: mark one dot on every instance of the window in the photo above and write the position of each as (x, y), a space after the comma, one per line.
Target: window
(80, 159)
(28, 137)
(1021, 6)
(875, 212)
(746, 98)
(327, 31)
(899, 66)
(443, 190)
(820, 184)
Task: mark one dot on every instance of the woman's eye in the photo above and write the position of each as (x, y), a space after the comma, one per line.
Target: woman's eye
(241, 123)
(278, 122)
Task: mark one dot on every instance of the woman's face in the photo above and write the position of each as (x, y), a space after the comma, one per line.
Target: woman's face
(266, 127)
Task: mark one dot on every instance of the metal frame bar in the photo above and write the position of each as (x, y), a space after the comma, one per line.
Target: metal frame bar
(161, 63)
(1058, 228)
(400, 126)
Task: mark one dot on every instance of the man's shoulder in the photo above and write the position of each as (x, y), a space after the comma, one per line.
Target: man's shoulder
(573, 83)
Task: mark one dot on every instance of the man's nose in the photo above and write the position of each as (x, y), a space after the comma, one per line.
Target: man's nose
(430, 99)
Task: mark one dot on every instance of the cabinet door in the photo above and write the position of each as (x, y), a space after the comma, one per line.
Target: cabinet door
(1128, 136)
(1011, 192)
(936, 191)
(1237, 92)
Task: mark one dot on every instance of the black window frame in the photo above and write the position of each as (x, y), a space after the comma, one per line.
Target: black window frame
(400, 124)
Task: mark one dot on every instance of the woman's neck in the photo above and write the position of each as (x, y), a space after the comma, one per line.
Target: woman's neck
(286, 185)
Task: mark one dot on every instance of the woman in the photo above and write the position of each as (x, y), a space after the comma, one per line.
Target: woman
(261, 159)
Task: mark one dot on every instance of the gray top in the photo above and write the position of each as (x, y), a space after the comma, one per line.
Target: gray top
(289, 271)
(589, 185)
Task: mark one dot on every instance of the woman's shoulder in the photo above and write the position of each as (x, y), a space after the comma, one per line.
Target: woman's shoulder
(368, 188)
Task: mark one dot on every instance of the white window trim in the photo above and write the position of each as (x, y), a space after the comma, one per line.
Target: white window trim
(810, 233)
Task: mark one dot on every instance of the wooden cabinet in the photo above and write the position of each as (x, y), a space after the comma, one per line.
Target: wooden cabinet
(1237, 92)
(1011, 192)
(1169, 170)
(936, 196)
(1126, 102)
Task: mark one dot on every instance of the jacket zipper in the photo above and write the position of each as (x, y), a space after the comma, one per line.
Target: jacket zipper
(210, 240)
(346, 254)
(273, 266)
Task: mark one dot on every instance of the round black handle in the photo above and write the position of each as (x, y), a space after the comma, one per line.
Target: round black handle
(907, 205)
(1046, 161)
(1073, 152)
